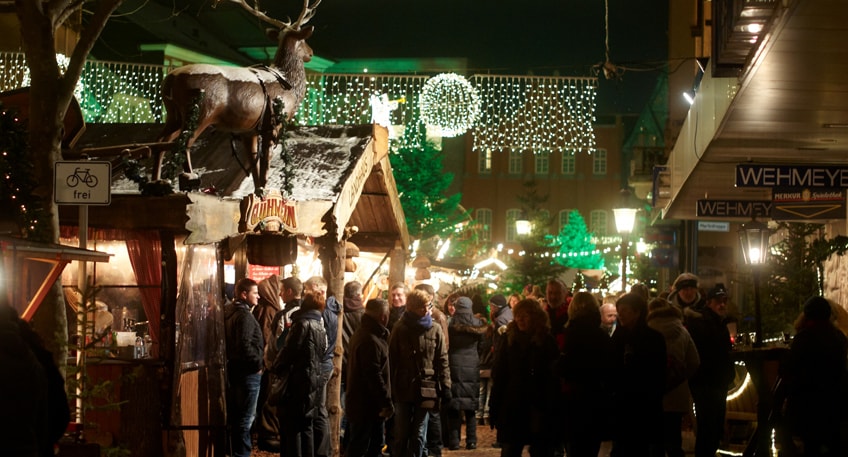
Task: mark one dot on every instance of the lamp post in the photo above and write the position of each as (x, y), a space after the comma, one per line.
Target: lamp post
(625, 218)
(523, 226)
(753, 240)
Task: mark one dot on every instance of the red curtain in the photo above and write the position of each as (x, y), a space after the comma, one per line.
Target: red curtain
(145, 251)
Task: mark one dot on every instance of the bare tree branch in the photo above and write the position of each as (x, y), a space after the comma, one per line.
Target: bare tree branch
(88, 37)
(70, 9)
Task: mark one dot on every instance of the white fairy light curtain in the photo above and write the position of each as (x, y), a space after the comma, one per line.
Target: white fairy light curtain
(346, 99)
(503, 113)
(535, 113)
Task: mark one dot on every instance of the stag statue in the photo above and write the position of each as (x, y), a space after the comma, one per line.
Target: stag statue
(249, 102)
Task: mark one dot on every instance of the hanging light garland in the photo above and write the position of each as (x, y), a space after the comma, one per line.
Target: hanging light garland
(505, 113)
(450, 104)
(535, 113)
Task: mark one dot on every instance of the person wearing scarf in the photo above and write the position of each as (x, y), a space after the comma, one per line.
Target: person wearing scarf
(419, 373)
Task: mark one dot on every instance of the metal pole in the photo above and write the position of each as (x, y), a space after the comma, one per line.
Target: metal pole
(623, 263)
(758, 321)
(82, 283)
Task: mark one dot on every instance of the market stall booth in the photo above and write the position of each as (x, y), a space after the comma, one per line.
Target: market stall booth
(177, 255)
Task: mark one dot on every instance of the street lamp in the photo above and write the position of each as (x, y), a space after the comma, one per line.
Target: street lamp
(522, 225)
(753, 239)
(625, 218)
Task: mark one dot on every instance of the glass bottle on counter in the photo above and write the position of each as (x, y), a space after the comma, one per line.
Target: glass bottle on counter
(139, 348)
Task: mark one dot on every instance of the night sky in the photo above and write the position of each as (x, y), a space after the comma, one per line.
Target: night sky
(545, 37)
(542, 37)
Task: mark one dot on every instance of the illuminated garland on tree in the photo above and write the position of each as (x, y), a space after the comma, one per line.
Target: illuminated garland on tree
(17, 196)
(450, 104)
(278, 107)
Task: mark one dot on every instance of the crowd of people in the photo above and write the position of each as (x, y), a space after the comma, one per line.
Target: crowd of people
(559, 371)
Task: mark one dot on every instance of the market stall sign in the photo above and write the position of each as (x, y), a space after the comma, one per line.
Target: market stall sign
(798, 176)
(272, 214)
(733, 208)
(805, 204)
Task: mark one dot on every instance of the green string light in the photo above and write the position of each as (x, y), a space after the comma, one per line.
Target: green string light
(512, 113)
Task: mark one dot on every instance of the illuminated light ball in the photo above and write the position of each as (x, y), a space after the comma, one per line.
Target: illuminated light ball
(449, 103)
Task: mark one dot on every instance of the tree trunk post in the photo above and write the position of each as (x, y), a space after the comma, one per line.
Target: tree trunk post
(332, 255)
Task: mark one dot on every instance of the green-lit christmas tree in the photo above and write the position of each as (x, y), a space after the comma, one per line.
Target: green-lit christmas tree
(421, 185)
(576, 249)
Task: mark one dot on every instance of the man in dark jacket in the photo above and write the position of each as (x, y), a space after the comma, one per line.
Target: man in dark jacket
(814, 375)
(397, 295)
(270, 303)
(466, 332)
(368, 393)
(556, 297)
(709, 384)
(419, 373)
(433, 439)
(267, 424)
(299, 362)
(317, 285)
(351, 320)
(244, 364)
(639, 379)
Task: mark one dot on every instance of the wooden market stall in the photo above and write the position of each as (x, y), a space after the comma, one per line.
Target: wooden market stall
(176, 247)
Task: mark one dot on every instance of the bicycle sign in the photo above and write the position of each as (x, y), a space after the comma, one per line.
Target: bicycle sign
(82, 175)
(82, 183)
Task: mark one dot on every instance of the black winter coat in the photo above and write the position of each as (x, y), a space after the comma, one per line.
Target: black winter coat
(712, 339)
(586, 368)
(523, 402)
(465, 338)
(368, 388)
(815, 379)
(299, 364)
(244, 341)
(639, 381)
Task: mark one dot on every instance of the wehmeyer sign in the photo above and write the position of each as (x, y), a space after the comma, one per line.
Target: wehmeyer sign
(820, 177)
(733, 208)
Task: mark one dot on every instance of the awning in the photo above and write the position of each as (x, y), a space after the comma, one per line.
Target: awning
(24, 282)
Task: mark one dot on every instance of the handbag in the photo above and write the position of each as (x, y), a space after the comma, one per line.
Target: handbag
(429, 394)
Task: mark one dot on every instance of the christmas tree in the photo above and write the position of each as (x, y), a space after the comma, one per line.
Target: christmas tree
(17, 196)
(421, 185)
(576, 249)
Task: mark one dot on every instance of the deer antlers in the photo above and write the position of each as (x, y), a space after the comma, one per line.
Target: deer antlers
(305, 15)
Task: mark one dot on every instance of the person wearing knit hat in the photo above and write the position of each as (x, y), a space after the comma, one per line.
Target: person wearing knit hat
(708, 328)
(814, 379)
(501, 312)
(684, 292)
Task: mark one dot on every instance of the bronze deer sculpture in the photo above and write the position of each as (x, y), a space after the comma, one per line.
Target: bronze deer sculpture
(241, 100)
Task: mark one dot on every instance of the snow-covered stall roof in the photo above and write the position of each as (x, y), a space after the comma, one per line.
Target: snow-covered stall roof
(340, 170)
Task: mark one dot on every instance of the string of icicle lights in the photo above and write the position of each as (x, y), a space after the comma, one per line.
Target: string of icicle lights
(535, 113)
(522, 113)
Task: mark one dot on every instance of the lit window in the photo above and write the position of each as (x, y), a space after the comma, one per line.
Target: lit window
(598, 225)
(563, 219)
(568, 163)
(599, 162)
(543, 161)
(512, 215)
(484, 163)
(514, 162)
(484, 218)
